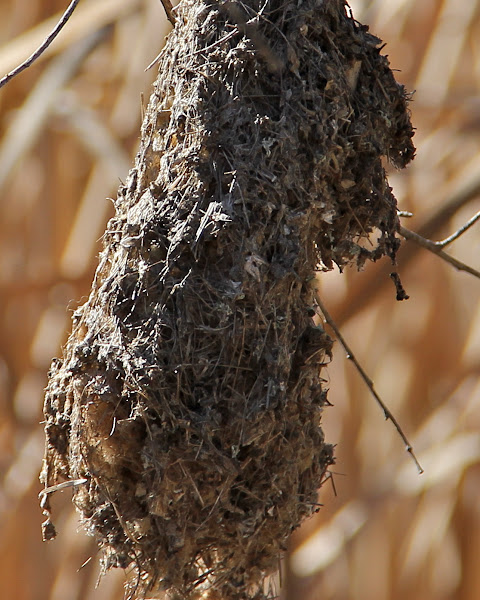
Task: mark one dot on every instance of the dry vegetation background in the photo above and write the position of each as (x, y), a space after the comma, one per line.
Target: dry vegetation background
(69, 131)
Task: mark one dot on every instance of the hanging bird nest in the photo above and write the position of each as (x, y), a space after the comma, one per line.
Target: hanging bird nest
(187, 406)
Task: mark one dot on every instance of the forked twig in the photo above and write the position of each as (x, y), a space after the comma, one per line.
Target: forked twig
(466, 189)
(437, 247)
(386, 411)
(46, 43)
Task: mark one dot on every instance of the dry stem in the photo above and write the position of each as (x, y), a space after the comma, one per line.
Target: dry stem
(41, 49)
(437, 247)
(350, 355)
(168, 7)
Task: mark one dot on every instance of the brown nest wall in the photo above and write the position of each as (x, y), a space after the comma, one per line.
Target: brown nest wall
(187, 405)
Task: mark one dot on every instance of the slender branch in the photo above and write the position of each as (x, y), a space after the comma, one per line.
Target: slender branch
(386, 411)
(436, 248)
(41, 49)
(168, 7)
(461, 231)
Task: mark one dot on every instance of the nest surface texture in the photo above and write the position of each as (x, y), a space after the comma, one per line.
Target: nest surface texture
(186, 409)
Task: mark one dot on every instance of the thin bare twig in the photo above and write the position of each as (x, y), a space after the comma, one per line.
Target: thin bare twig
(386, 411)
(168, 7)
(436, 247)
(459, 232)
(41, 49)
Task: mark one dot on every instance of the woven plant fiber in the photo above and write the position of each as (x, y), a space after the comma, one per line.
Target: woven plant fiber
(186, 409)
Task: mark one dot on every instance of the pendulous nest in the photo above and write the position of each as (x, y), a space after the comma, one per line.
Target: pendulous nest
(186, 409)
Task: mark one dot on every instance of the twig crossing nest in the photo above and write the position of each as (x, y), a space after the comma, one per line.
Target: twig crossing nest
(187, 404)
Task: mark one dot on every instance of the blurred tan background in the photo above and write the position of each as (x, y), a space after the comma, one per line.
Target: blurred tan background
(69, 131)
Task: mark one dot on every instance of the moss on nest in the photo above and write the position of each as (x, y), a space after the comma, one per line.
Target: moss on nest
(188, 401)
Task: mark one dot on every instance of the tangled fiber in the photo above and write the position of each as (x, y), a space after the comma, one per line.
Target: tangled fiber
(186, 409)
